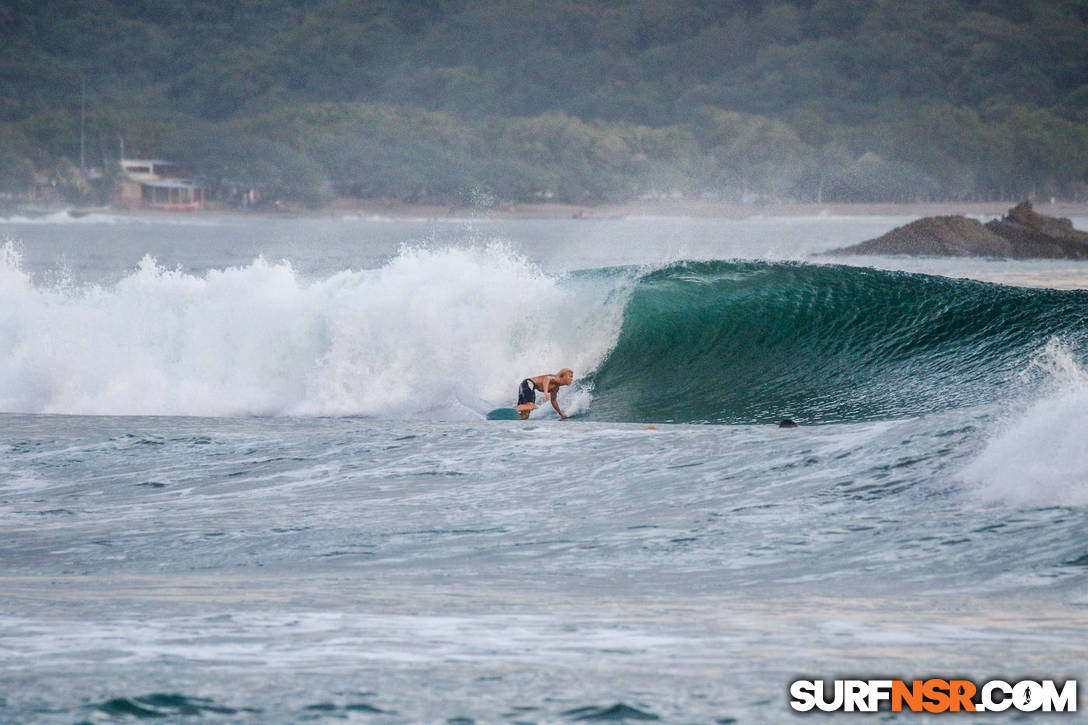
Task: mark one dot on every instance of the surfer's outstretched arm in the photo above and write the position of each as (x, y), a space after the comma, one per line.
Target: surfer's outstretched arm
(555, 404)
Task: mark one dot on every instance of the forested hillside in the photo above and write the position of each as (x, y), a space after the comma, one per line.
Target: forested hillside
(588, 100)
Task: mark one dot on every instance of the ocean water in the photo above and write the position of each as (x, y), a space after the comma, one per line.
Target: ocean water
(246, 473)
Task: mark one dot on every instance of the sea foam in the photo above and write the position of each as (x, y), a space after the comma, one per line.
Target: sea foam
(1038, 456)
(444, 332)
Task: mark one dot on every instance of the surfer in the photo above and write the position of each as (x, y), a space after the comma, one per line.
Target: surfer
(547, 384)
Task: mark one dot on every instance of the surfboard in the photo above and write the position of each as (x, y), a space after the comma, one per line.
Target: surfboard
(512, 414)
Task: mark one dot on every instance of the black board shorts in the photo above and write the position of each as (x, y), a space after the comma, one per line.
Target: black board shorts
(526, 392)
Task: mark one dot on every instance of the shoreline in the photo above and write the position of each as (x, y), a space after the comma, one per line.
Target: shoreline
(400, 211)
(682, 209)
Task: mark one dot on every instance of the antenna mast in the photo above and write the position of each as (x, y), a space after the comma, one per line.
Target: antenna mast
(83, 127)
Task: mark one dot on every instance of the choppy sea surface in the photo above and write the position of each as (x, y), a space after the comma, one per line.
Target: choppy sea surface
(246, 473)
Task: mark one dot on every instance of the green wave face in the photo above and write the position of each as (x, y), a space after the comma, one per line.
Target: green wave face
(753, 342)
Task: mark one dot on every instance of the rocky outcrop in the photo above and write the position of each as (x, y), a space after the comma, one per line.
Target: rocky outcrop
(1023, 233)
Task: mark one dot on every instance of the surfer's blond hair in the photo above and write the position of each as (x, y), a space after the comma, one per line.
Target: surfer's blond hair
(563, 372)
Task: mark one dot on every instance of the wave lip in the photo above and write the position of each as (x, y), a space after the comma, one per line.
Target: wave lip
(754, 342)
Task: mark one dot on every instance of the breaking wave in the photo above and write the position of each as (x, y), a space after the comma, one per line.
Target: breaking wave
(448, 333)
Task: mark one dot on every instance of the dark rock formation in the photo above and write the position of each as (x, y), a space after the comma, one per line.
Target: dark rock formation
(1035, 235)
(1023, 233)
